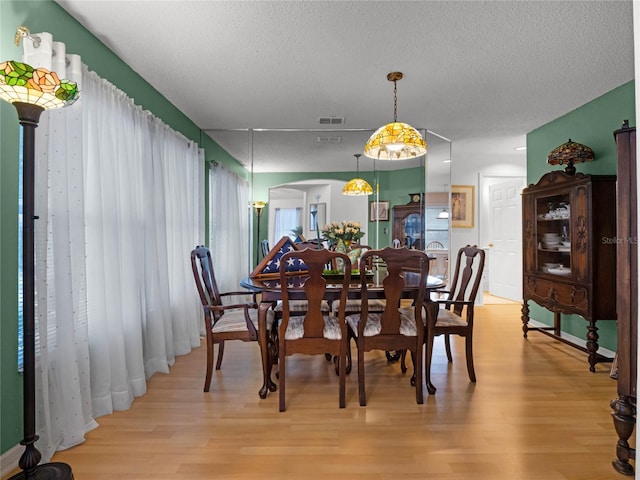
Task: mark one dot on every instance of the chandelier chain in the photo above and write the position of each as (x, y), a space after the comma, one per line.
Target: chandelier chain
(395, 101)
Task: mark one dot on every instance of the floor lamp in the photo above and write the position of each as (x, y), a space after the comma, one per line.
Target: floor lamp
(31, 91)
(258, 205)
(314, 215)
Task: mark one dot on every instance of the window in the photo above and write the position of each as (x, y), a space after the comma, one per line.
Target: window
(437, 228)
(286, 219)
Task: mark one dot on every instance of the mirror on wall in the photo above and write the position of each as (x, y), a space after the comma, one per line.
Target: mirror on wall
(299, 171)
(317, 215)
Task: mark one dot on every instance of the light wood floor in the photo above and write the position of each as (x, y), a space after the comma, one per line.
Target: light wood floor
(535, 413)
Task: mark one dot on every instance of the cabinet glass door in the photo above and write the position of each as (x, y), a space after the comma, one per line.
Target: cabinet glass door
(553, 234)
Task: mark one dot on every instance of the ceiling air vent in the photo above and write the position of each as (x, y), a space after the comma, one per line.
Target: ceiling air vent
(331, 120)
(330, 139)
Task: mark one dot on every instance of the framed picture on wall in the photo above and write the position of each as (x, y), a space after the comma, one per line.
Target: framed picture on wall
(317, 215)
(462, 202)
(379, 211)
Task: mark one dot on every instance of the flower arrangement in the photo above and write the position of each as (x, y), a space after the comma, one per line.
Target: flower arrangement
(346, 231)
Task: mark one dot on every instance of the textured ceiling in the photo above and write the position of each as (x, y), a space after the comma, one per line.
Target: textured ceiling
(482, 74)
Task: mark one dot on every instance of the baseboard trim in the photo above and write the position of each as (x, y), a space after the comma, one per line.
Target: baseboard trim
(576, 340)
(9, 460)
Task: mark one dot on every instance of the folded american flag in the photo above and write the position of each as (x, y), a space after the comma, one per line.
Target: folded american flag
(270, 264)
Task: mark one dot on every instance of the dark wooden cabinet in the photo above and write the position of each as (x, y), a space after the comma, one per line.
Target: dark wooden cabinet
(569, 253)
(407, 225)
(624, 407)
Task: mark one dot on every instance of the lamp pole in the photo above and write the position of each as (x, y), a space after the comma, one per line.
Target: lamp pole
(29, 116)
(314, 214)
(258, 205)
(31, 94)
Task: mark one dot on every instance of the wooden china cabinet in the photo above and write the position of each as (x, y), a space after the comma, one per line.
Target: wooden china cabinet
(407, 222)
(569, 253)
(624, 407)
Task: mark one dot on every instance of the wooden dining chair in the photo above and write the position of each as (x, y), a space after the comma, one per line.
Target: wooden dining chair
(312, 331)
(264, 246)
(230, 321)
(455, 315)
(397, 327)
(435, 245)
(354, 304)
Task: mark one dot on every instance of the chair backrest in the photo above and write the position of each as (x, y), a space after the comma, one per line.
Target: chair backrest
(369, 264)
(396, 243)
(435, 245)
(313, 244)
(314, 288)
(404, 267)
(264, 245)
(202, 267)
(467, 275)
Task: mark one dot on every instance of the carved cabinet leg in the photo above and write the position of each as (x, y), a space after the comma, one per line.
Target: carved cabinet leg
(525, 318)
(624, 421)
(592, 344)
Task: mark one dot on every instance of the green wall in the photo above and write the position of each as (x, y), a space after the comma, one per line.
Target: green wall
(592, 124)
(47, 16)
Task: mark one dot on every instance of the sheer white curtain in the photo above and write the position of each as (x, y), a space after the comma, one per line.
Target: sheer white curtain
(228, 226)
(64, 411)
(120, 199)
(143, 183)
(285, 220)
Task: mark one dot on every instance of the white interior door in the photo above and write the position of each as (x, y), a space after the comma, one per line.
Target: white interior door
(505, 238)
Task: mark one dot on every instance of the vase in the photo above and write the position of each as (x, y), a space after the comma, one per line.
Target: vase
(341, 246)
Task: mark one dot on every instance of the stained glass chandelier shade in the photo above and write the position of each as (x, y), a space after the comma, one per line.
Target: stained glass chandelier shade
(357, 186)
(396, 140)
(21, 83)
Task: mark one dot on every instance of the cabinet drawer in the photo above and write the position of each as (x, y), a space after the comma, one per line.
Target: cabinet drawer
(557, 295)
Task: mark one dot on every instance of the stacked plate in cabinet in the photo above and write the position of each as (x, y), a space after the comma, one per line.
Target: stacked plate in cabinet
(550, 240)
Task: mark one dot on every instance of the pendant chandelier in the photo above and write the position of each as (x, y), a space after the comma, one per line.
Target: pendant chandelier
(444, 214)
(357, 186)
(396, 140)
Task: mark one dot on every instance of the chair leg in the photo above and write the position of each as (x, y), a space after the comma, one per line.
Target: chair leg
(272, 347)
(413, 375)
(403, 361)
(447, 347)
(276, 343)
(207, 376)
(342, 364)
(427, 364)
(220, 354)
(363, 398)
(348, 365)
(282, 382)
(417, 368)
(469, 353)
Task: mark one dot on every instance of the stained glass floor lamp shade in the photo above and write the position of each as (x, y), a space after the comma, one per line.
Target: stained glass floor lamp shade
(31, 91)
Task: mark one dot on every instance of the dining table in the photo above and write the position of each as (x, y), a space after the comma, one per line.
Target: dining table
(270, 291)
